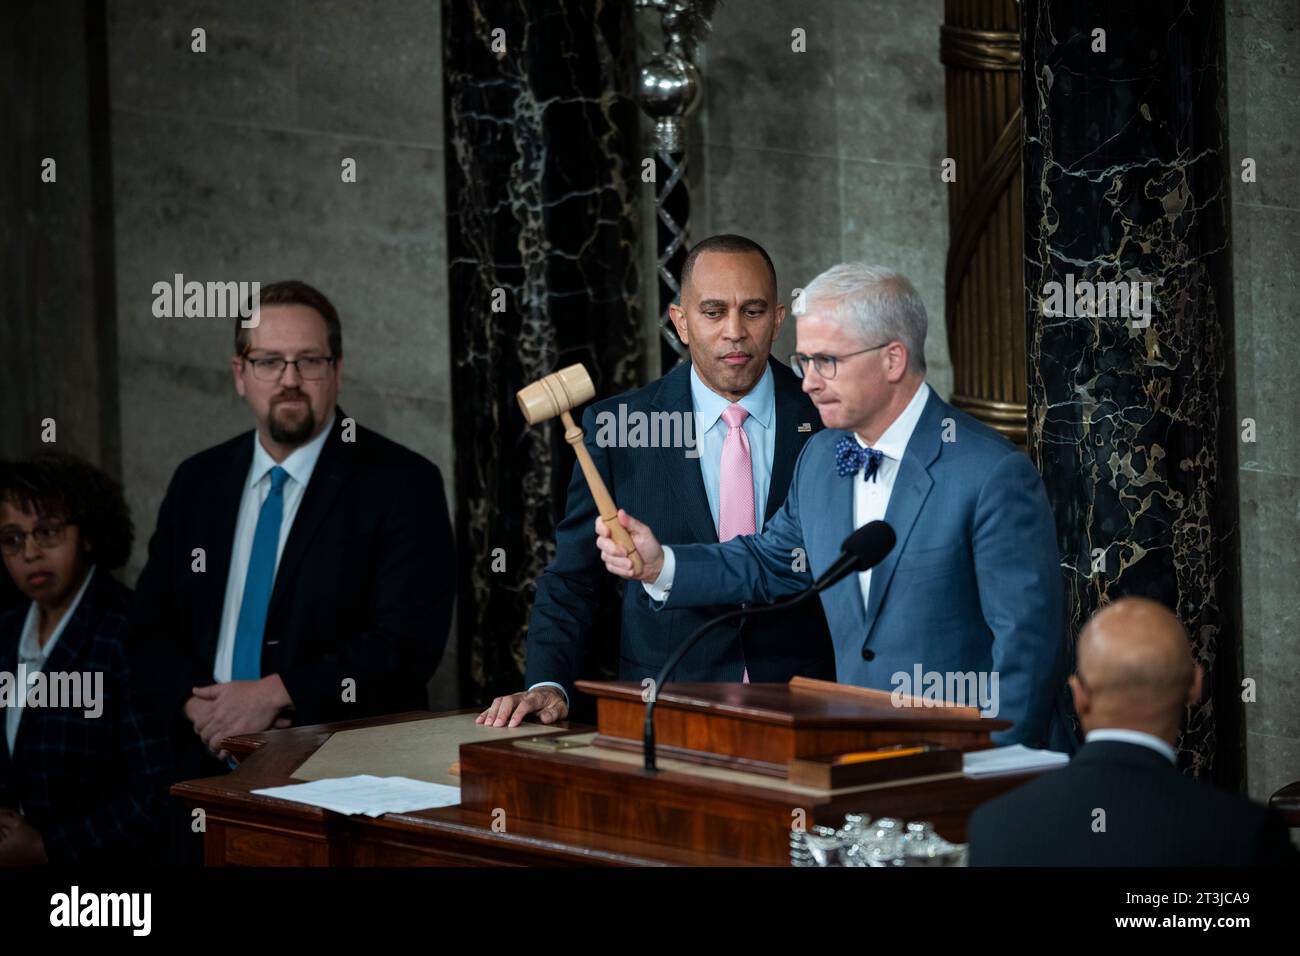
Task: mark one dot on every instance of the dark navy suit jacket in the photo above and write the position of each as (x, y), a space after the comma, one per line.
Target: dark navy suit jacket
(664, 488)
(95, 787)
(363, 590)
(1154, 816)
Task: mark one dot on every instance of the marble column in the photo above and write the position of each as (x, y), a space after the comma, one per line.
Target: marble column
(543, 176)
(1131, 407)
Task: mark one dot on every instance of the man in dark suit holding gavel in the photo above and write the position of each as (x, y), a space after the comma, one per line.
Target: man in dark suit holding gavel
(1121, 801)
(751, 420)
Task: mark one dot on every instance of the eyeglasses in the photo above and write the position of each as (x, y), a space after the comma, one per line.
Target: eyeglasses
(826, 365)
(46, 536)
(269, 368)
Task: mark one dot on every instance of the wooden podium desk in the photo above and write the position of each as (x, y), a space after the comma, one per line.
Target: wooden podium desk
(244, 829)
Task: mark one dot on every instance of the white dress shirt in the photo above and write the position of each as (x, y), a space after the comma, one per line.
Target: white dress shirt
(870, 498)
(1126, 736)
(31, 653)
(300, 465)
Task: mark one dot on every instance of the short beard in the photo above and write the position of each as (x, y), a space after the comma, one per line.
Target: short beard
(292, 434)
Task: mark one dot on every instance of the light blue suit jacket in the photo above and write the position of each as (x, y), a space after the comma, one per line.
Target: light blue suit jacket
(973, 583)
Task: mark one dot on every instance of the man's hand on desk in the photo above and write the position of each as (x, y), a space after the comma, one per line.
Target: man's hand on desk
(616, 559)
(509, 711)
(226, 710)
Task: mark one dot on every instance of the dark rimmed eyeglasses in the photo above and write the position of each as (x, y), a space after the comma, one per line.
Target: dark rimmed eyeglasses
(269, 368)
(826, 365)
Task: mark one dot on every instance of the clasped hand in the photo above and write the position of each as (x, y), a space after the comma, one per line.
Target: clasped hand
(218, 711)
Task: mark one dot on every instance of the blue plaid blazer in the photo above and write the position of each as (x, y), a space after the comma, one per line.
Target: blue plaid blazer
(96, 788)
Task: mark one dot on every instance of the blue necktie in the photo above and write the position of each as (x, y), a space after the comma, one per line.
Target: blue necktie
(247, 663)
(850, 457)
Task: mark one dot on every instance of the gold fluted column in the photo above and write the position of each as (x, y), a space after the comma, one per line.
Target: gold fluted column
(984, 279)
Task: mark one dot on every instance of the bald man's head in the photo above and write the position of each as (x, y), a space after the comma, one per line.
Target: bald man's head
(1135, 669)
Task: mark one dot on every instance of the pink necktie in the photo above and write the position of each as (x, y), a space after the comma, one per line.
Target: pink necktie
(736, 486)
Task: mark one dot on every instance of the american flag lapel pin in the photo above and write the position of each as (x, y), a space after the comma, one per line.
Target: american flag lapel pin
(805, 427)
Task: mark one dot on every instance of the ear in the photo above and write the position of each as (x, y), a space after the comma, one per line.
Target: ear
(895, 362)
(678, 315)
(1194, 692)
(1082, 699)
(237, 368)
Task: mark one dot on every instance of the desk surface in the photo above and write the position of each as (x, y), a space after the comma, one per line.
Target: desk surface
(421, 749)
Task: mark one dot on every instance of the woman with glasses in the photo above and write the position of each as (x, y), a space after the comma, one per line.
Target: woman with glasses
(82, 771)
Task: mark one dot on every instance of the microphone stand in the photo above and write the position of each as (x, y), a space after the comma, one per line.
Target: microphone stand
(675, 658)
(863, 549)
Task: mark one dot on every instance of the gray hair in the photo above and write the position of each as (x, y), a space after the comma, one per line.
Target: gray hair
(874, 303)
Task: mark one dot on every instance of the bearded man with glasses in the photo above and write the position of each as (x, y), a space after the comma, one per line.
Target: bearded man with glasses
(301, 572)
(971, 591)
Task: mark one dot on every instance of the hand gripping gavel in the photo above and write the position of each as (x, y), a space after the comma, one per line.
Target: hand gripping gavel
(555, 395)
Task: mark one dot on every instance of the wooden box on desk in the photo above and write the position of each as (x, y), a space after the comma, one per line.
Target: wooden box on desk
(722, 755)
(762, 727)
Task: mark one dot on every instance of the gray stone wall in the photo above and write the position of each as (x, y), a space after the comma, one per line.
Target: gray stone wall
(831, 154)
(1263, 55)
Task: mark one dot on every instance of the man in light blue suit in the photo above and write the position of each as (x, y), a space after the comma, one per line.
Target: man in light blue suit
(970, 596)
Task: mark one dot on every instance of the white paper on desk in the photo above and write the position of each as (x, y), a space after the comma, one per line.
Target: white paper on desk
(1013, 759)
(368, 794)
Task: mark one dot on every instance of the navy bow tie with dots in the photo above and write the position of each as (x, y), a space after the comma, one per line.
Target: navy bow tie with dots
(850, 458)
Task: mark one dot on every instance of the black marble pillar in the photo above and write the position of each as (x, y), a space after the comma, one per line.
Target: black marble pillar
(542, 196)
(1132, 422)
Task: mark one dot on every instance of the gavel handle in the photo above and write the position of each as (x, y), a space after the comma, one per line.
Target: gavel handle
(604, 503)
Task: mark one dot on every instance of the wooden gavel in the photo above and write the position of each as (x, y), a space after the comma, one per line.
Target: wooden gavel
(556, 394)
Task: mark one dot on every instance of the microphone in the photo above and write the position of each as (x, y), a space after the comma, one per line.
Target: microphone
(862, 550)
